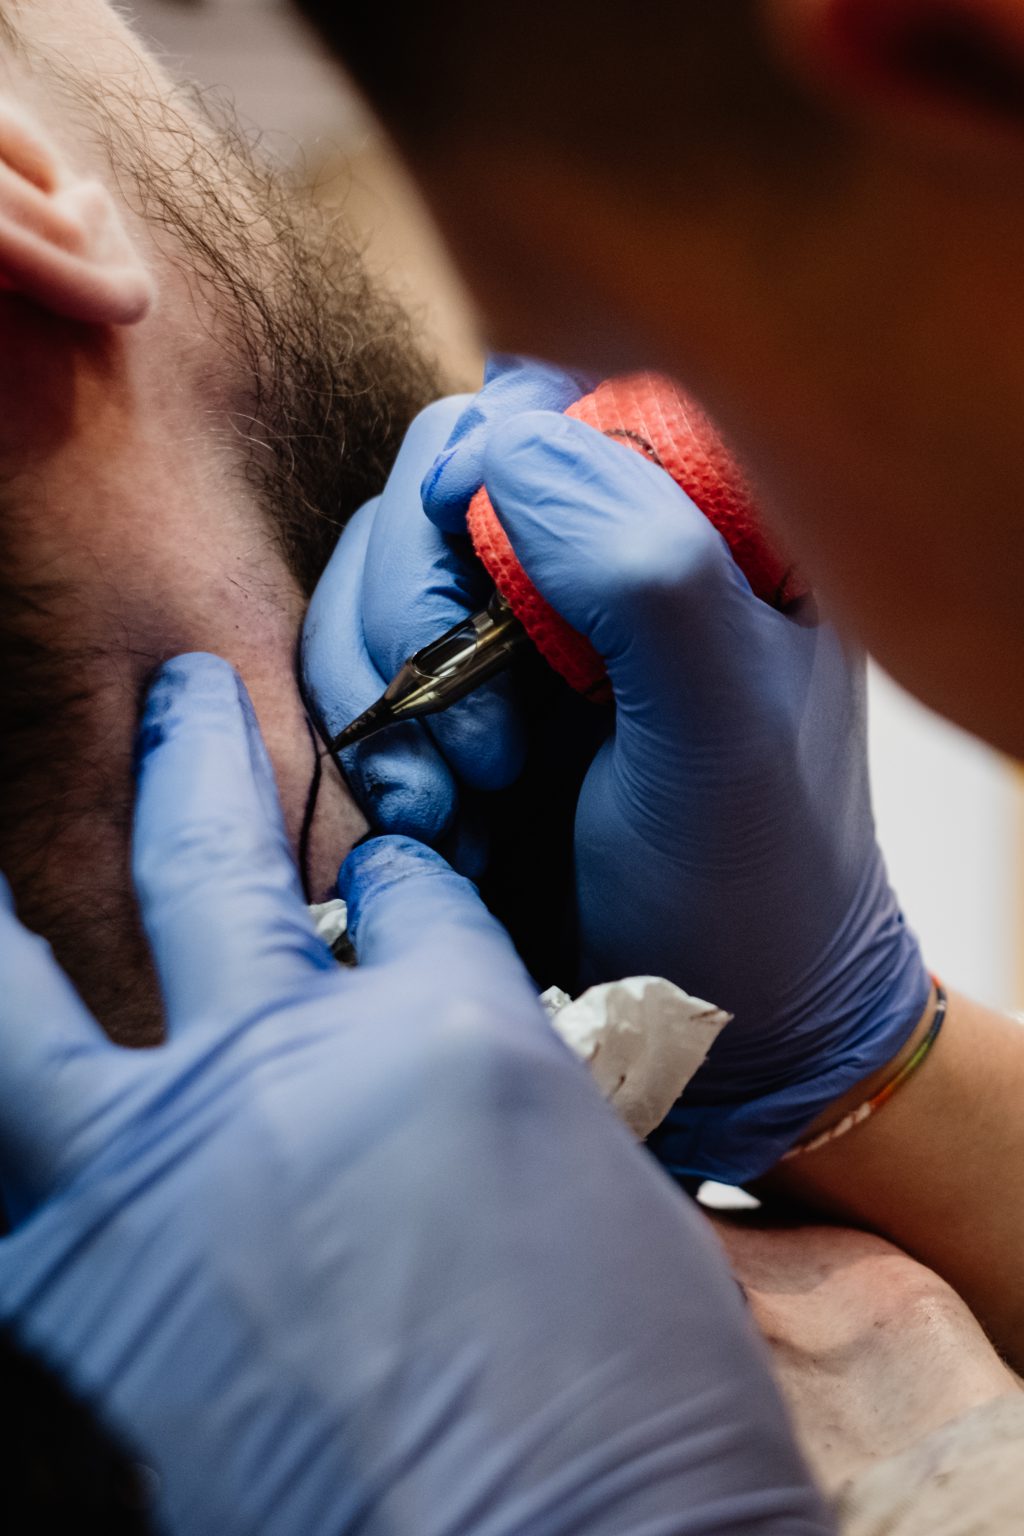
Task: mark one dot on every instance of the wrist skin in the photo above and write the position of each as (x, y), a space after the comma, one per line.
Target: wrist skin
(940, 1169)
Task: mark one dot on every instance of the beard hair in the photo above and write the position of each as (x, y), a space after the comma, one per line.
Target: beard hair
(320, 378)
(324, 367)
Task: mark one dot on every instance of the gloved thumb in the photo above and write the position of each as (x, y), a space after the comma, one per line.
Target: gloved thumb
(406, 904)
(606, 536)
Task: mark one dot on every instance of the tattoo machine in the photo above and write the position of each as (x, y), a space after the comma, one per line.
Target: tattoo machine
(653, 416)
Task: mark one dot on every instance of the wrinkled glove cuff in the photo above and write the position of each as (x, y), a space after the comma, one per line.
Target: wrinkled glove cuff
(736, 1143)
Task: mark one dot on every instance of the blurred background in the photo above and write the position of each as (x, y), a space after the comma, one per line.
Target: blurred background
(950, 812)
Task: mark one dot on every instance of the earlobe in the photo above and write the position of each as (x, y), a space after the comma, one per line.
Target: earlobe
(955, 61)
(63, 244)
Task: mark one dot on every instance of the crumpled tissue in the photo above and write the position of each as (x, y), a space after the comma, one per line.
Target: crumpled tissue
(642, 1038)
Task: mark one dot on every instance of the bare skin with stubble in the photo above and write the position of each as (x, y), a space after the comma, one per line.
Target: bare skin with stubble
(201, 386)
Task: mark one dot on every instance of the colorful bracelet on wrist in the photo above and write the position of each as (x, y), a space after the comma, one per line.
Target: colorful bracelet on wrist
(878, 1100)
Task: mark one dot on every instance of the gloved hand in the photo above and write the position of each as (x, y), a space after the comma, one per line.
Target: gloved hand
(358, 1250)
(724, 833)
(396, 582)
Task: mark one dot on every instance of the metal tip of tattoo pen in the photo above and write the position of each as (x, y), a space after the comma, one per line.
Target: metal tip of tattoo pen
(372, 720)
(443, 672)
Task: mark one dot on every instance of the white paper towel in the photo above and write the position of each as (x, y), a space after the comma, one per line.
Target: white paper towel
(643, 1038)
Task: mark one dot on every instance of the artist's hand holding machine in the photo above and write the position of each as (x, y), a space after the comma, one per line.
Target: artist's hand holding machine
(374, 1231)
(724, 836)
(381, 1257)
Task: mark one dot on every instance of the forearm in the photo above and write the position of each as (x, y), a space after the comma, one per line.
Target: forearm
(941, 1170)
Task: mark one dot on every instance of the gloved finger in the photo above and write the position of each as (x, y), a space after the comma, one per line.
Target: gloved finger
(617, 548)
(466, 846)
(417, 584)
(394, 584)
(406, 904)
(511, 385)
(399, 778)
(219, 891)
(54, 1062)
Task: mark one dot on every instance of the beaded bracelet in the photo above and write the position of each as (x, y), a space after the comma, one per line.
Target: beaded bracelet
(879, 1100)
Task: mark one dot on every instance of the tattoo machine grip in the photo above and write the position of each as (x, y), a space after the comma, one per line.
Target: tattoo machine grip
(653, 416)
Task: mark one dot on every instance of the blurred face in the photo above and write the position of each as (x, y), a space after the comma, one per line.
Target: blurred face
(854, 317)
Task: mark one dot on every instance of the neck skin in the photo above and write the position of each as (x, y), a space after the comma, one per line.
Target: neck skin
(125, 501)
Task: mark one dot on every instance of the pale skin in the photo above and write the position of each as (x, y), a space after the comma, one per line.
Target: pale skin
(861, 340)
(175, 530)
(939, 1170)
(872, 1350)
(124, 467)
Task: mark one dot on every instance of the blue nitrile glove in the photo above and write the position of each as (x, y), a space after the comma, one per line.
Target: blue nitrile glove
(725, 836)
(359, 1251)
(724, 833)
(511, 386)
(396, 582)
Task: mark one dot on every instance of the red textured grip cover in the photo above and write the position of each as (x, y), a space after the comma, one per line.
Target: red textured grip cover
(651, 415)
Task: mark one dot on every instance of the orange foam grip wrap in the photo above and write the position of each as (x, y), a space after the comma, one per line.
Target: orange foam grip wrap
(653, 416)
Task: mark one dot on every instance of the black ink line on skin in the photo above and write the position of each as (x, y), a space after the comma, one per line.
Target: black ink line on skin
(306, 835)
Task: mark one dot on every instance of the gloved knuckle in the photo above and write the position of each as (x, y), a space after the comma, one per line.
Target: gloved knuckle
(660, 558)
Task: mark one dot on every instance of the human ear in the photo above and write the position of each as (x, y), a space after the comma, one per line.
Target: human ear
(950, 64)
(62, 242)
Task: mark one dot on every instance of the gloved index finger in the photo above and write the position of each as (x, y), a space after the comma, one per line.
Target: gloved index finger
(399, 779)
(395, 583)
(607, 536)
(511, 385)
(418, 583)
(219, 891)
